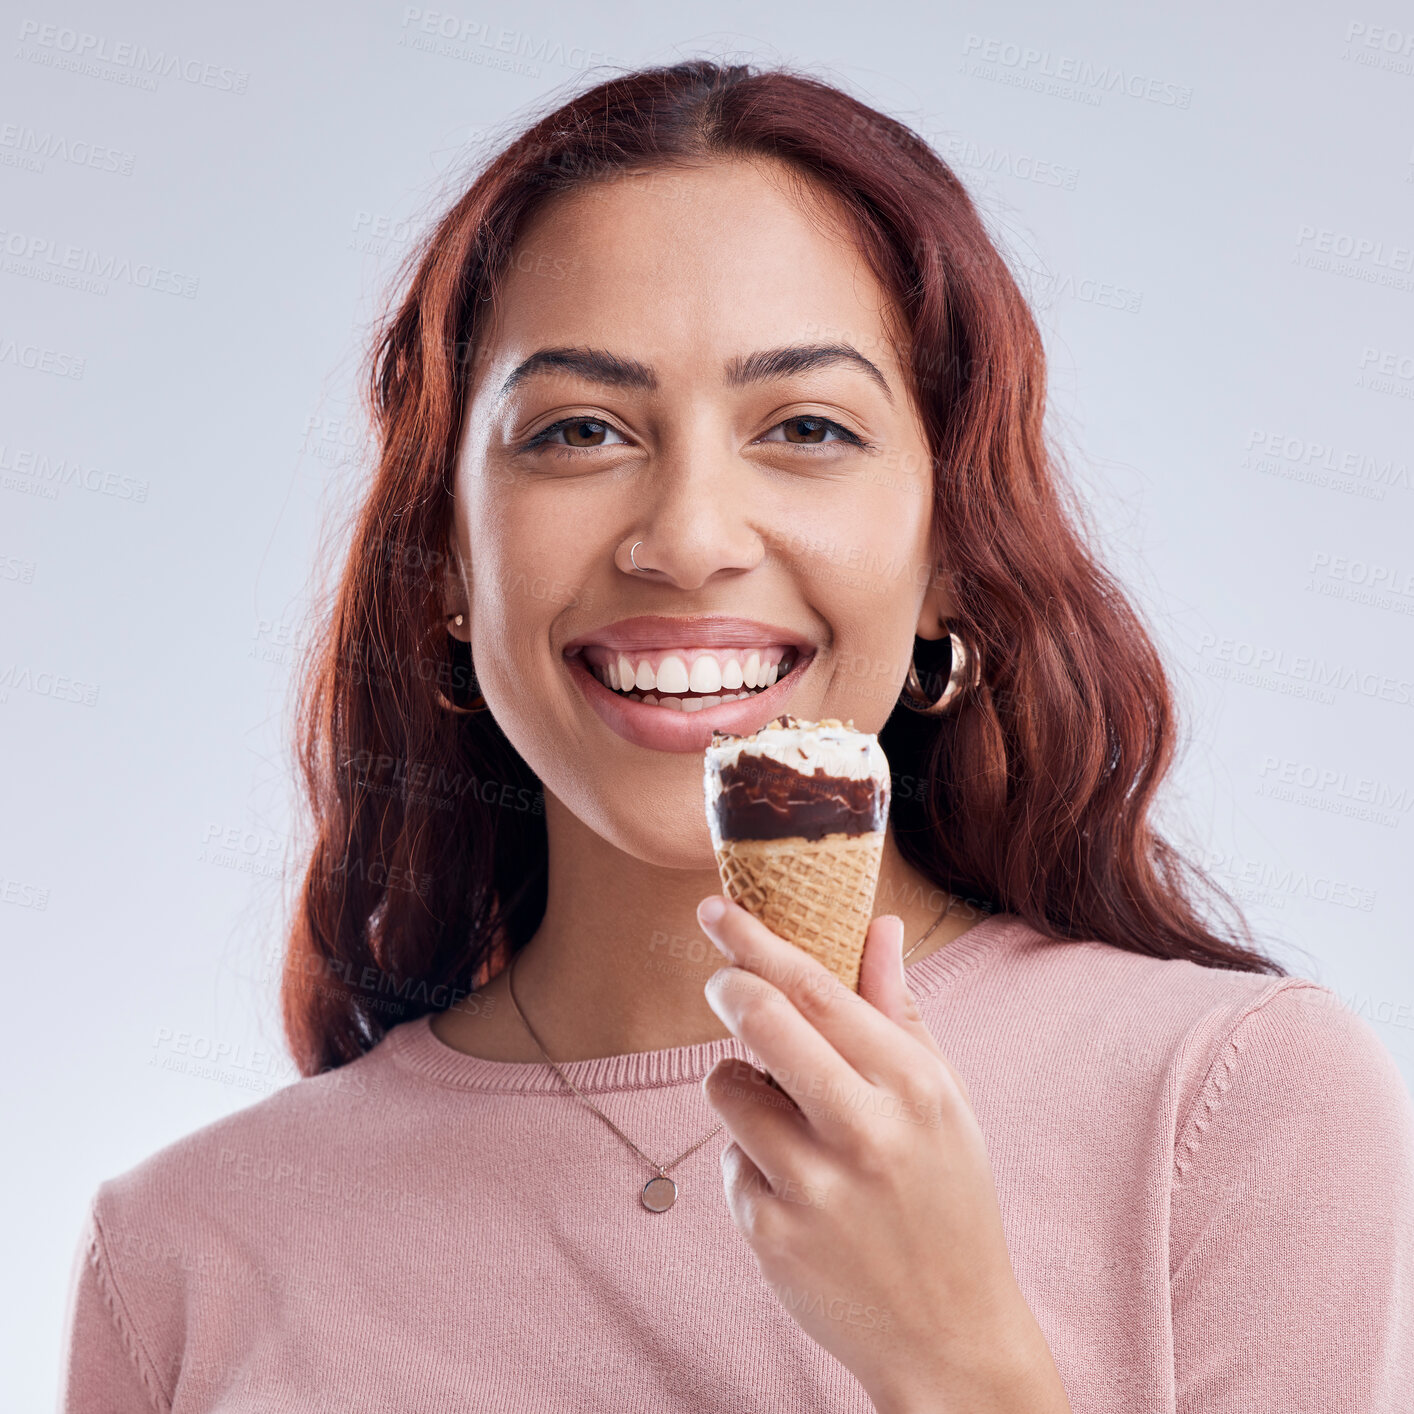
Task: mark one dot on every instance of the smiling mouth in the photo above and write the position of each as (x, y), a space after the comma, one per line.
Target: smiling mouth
(690, 679)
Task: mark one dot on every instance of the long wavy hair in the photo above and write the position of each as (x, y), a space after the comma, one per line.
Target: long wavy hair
(427, 849)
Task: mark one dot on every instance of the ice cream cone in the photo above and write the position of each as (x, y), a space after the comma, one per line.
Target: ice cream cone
(817, 894)
(797, 813)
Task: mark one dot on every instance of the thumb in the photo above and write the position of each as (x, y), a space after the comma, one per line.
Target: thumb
(884, 984)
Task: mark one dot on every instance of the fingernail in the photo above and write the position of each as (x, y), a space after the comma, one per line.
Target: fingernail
(715, 998)
(710, 910)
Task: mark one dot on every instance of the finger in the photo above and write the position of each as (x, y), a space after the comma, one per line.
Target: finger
(883, 981)
(881, 976)
(766, 1122)
(746, 1187)
(871, 1043)
(805, 1065)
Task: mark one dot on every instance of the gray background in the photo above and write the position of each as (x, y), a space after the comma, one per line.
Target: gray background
(1212, 215)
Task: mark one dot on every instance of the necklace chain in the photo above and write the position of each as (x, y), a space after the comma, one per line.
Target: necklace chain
(660, 1169)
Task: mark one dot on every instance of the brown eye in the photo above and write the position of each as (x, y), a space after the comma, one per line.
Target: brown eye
(806, 429)
(577, 434)
(584, 434)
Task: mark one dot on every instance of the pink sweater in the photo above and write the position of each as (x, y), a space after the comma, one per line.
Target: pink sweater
(1207, 1181)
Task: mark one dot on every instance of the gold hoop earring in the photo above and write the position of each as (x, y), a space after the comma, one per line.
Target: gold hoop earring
(966, 671)
(460, 651)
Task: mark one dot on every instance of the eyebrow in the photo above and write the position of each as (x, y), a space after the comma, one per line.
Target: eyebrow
(599, 366)
(595, 365)
(800, 358)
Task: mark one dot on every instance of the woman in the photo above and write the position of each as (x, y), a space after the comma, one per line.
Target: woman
(711, 401)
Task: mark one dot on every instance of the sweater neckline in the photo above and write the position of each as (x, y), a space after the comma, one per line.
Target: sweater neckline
(415, 1046)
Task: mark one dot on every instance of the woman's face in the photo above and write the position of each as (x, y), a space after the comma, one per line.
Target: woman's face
(698, 360)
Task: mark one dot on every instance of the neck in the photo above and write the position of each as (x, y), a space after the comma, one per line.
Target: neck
(619, 962)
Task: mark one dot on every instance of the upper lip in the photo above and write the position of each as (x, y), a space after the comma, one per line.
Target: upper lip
(653, 631)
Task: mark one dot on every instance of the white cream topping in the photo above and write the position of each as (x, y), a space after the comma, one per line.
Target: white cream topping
(828, 748)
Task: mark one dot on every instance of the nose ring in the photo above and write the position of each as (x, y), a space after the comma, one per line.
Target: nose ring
(634, 562)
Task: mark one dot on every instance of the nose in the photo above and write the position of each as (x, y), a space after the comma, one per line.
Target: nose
(697, 525)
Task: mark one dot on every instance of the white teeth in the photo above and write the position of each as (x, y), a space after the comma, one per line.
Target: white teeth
(676, 703)
(721, 676)
(706, 674)
(692, 704)
(672, 674)
(651, 700)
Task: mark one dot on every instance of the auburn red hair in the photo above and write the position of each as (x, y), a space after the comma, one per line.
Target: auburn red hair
(427, 860)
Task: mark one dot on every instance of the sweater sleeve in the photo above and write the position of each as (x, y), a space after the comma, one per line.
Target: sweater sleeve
(1292, 1221)
(106, 1370)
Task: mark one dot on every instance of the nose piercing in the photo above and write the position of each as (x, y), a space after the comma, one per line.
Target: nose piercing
(634, 562)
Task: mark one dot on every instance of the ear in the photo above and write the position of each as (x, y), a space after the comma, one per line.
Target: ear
(460, 631)
(456, 599)
(937, 607)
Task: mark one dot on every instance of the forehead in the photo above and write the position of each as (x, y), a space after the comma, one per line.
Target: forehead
(687, 268)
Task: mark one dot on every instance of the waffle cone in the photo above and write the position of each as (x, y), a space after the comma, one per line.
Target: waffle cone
(817, 894)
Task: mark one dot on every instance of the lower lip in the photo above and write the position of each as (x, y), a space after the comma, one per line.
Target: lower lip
(668, 728)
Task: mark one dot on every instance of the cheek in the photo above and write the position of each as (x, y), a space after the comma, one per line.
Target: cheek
(529, 566)
(867, 574)
(868, 660)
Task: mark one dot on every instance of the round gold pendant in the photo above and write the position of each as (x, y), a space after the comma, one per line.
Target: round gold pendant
(659, 1194)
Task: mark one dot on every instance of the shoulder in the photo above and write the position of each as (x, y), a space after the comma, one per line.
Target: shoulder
(1091, 995)
(1185, 1027)
(1293, 1177)
(192, 1180)
(174, 1234)
(1303, 1084)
